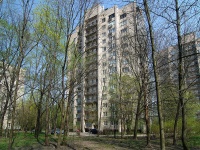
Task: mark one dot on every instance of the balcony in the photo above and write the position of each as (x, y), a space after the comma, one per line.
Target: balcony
(90, 84)
(91, 93)
(90, 118)
(110, 26)
(91, 63)
(89, 46)
(91, 25)
(91, 67)
(88, 40)
(111, 19)
(90, 32)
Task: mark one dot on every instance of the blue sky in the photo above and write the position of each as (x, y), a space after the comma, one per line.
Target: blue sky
(105, 3)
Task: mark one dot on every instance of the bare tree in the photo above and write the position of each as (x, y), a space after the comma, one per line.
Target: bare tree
(159, 105)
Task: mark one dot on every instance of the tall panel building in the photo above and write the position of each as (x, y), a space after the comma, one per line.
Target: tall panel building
(168, 64)
(105, 41)
(7, 88)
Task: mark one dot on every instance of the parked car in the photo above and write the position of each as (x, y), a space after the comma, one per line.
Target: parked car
(94, 131)
(57, 131)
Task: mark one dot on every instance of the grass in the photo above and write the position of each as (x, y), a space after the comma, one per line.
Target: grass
(21, 140)
(28, 139)
(194, 141)
(128, 142)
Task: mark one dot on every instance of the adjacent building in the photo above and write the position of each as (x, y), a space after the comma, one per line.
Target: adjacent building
(7, 88)
(104, 39)
(168, 64)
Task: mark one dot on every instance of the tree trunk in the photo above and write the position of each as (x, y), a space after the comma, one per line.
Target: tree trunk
(137, 116)
(14, 105)
(3, 114)
(147, 119)
(176, 123)
(67, 113)
(47, 120)
(62, 103)
(37, 127)
(159, 106)
(180, 77)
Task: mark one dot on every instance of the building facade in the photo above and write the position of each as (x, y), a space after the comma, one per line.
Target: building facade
(168, 64)
(7, 88)
(105, 41)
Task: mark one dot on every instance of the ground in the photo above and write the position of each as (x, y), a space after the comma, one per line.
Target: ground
(87, 141)
(102, 143)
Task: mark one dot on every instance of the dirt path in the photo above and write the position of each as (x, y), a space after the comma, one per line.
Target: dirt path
(92, 145)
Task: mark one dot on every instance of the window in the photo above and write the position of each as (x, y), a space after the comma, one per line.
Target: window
(94, 50)
(103, 20)
(111, 16)
(103, 27)
(104, 64)
(111, 30)
(111, 38)
(104, 34)
(104, 88)
(124, 54)
(103, 48)
(112, 61)
(104, 41)
(105, 104)
(104, 80)
(113, 86)
(126, 69)
(105, 114)
(104, 71)
(124, 45)
(123, 23)
(114, 53)
(113, 69)
(123, 16)
(125, 61)
(111, 23)
(112, 45)
(124, 30)
(104, 55)
(105, 123)
(104, 97)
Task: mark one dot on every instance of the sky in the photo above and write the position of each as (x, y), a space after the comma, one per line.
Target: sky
(105, 3)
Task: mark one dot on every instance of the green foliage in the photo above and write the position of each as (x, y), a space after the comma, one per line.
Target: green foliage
(22, 139)
(194, 141)
(26, 117)
(155, 127)
(169, 96)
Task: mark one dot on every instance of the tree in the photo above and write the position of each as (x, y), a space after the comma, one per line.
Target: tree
(159, 105)
(18, 44)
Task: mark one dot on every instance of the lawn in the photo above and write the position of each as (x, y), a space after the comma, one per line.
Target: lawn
(21, 140)
(93, 142)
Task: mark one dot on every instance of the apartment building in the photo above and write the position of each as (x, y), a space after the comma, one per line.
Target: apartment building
(104, 40)
(168, 64)
(7, 87)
